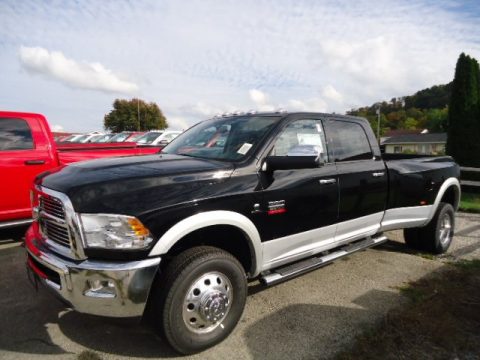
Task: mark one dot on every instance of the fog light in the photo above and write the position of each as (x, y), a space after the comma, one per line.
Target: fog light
(101, 289)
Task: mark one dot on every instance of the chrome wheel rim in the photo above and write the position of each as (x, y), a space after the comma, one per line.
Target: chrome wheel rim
(207, 302)
(445, 231)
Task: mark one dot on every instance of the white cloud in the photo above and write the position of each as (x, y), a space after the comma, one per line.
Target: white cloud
(261, 100)
(313, 104)
(332, 94)
(194, 61)
(57, 128)
(55, 65)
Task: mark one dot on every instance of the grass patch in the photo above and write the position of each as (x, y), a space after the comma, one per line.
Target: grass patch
(427, 256)
(88, 355)
(441, 321)
(470, 202)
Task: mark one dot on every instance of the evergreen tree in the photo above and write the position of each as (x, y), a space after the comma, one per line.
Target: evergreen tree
(463, 119)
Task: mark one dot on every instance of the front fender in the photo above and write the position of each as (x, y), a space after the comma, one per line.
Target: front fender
(211, 218)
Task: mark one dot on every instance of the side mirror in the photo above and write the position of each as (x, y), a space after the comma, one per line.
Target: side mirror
(163, 142)
(273, 163)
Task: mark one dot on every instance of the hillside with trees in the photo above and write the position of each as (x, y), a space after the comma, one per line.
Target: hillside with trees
(453, 108)
(426, 109)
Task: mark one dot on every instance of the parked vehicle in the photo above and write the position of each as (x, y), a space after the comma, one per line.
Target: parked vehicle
(158, 137)
(175, 237)
(103, 138)
(86, 138)
(70, 138)
(27, 148)
(126, 136)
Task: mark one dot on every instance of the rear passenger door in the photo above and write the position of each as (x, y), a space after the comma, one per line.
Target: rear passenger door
(362, 180)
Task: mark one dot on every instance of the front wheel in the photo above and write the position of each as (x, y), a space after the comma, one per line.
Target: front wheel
(203, 294)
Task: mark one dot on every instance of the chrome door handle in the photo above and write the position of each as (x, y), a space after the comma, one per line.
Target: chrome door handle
(378, 174)
(328, 181)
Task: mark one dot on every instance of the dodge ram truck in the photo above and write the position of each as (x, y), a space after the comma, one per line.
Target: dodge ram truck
(27, 148)
(175, 237)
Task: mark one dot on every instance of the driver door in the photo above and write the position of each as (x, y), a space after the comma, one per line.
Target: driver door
(300, 206)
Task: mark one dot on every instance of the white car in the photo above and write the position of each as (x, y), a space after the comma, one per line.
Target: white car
(158, 137)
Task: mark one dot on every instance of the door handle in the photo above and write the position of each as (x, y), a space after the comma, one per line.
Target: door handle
(327, 181)
(34, 162)
(378, 174)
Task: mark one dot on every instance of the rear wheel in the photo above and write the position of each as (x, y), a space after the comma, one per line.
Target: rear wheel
(203, 294)
(437, 236)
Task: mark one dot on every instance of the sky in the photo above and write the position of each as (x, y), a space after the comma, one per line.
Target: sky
(69, 60)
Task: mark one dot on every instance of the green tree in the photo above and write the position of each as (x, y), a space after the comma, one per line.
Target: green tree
(134, 115)
(411, 124)
(464, 110)
(437, 119)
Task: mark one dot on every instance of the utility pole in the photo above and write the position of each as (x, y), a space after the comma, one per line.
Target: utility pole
(138, 114)
(378, 124)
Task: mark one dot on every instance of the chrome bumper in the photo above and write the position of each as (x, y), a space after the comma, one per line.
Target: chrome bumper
(127, 284)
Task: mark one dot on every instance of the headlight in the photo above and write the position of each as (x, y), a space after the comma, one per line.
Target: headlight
(114, 232)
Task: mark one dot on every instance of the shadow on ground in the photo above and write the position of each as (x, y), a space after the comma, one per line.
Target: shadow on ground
(305, 330)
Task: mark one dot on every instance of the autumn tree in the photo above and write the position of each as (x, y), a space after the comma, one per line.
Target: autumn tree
(134, 115)
(464, 113)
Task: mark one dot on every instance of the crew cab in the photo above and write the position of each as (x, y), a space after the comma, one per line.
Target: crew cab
(174, 237)
(27, 148)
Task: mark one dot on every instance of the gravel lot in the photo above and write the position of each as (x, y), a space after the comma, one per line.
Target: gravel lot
(310, 317)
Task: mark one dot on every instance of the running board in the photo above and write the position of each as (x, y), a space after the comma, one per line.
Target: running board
(293, 270)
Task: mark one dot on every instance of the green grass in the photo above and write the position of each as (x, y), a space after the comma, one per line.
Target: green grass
(88, 355)
(470, 202)
(440, 321)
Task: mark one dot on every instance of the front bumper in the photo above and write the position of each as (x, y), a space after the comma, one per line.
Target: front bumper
(129, 283)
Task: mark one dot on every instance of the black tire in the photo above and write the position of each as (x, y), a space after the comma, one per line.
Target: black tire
(431, 235)
(412, 238)
(429, 238)
(186, 273)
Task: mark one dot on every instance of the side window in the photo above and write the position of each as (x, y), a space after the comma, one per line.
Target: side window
(15, 134)
(347, 141)
(301, 138)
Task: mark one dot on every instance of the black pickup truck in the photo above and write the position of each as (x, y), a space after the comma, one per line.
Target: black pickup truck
(174, 237)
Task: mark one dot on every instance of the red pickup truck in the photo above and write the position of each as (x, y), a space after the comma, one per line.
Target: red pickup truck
(27, 148)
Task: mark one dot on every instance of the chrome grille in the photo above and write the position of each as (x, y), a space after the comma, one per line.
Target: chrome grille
(52, 220)
(52, 206)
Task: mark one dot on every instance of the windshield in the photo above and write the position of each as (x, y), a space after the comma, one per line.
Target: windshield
(148, 138)
(102, 138)
(228, 139)
(135, 137)
(81, 138)
(120, 137)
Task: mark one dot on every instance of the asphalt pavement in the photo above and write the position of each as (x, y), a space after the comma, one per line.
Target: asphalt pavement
(311, 317)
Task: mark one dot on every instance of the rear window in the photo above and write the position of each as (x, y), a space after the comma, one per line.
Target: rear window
(347, 141)
(15, 134)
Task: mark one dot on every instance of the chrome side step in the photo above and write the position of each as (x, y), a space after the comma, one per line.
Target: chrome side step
(287, 272)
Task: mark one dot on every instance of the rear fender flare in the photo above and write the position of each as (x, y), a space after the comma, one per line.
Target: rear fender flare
(450, 182)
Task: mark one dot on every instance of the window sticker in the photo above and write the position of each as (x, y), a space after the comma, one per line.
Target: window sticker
(244, 148)
(319, 127)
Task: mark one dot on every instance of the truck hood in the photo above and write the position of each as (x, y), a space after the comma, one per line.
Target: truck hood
(135, 184)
